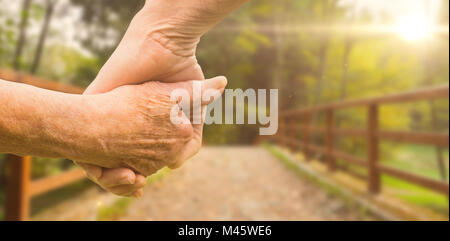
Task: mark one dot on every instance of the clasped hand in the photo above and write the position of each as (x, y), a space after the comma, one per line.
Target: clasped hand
(158, 49)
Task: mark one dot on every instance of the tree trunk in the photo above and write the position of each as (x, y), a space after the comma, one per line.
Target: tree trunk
(22, 34)
(50, 6)
(320, 74)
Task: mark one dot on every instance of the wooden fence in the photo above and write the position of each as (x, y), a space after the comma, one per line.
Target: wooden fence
(290, 128)
(20, 188)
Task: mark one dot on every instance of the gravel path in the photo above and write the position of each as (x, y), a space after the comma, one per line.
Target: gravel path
(236, 183)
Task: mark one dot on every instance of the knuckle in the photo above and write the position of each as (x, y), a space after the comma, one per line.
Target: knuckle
(185, 131)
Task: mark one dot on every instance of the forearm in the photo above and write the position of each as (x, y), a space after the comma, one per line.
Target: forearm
(181, 23)
(38, 122)
(161, 42)
(195, 17)
(202, 13)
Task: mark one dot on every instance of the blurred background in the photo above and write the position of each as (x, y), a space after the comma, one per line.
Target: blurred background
(314, 51)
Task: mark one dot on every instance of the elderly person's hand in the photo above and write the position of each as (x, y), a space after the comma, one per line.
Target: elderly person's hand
(136, 127)
(134, 131)
(159, 45)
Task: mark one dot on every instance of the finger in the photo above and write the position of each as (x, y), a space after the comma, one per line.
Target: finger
(196, 89)
(138, 194)
(93, 172)
(129, 190)
(193, 146)
(190, 150)
(215, 87)
(117, 176)
(141, 181)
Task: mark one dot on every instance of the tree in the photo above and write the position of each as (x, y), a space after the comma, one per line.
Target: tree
(106, 20)
(22, 34)
(50, 6)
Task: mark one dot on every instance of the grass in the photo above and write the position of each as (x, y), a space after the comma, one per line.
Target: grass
(293, 167)
(331, 189)
(420, 160)
(416, 194)
(119, 207)
(416, 159)
(115, 210)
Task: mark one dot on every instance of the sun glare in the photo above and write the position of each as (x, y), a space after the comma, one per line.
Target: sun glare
(414, 27)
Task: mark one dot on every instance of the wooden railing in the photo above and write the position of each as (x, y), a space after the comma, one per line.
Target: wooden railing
(289, 130)
(20, 188)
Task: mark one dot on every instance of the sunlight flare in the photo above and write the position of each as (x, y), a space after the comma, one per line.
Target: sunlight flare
(414, 27)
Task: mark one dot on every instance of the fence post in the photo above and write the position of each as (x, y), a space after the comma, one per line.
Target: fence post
(372, 150)
(307, 133)
(17, 188)
(330, 140)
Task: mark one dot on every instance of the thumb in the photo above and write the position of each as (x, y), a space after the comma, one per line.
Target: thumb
(213, 89)
(197, 89)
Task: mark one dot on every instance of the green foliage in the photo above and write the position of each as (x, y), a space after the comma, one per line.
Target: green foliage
(114, 211)
(417, 195)
(69, 65)
(52, 198)
(43, 167)
(159, 175)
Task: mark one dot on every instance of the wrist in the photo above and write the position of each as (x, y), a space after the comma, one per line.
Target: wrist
(62, 121)
(77, 132)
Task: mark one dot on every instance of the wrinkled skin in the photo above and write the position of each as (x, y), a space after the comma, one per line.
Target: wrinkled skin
(159, 45)
(135, 133)
(161, 42)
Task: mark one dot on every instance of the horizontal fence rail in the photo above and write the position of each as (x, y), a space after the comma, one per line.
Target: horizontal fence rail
(39, 82)
(20, 188)
(438, 92)
(290, 128)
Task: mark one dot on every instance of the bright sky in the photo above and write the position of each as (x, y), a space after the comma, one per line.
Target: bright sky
(396, 7)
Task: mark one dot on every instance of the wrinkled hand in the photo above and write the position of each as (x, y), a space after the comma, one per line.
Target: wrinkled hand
(134, 133)
(137, 59)
(160, 44)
